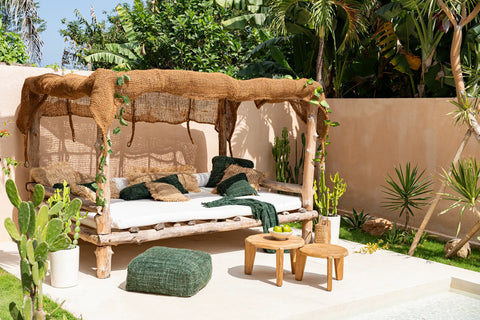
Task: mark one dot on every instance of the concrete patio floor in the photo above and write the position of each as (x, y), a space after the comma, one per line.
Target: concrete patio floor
(370, 282)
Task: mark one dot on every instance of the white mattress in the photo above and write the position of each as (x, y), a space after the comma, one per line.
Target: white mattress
(138, 213)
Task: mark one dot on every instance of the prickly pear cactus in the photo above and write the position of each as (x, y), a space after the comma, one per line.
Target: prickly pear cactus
(36, 235)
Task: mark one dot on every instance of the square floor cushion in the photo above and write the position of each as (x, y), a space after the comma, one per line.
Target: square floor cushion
(169, 271)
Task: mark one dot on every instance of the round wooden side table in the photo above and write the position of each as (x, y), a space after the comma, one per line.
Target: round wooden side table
(331, 252)
(266, 241)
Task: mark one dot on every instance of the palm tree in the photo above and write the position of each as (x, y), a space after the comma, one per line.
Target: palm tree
(21, 16)
(320, 15)
(464, 181)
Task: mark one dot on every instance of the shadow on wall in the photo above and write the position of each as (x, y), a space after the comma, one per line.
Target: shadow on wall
(154, 145)
(256, 130)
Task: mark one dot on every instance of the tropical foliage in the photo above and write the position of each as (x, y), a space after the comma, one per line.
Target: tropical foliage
(463, 180)
(162, 34)
(12, 49)
(21, 17)
(407, 192)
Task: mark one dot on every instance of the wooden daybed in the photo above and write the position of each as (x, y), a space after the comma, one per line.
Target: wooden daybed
(172, 96)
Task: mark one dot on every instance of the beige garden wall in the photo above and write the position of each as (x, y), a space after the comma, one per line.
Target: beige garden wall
(376, 134)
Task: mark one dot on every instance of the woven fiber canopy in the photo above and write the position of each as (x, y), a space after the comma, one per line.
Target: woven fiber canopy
(171, 96)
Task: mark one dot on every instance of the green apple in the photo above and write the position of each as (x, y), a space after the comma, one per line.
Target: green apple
(286, 228)
(277, 229)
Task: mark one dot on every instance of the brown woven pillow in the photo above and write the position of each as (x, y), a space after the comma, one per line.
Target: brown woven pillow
(165, 192)
(188, 180)
(54, 173)
(83, 192)
(132, 173)
(254, 176)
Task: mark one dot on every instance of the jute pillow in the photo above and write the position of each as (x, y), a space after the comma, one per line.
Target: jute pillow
(133, 172)
(188, 180)
(165, 192)
(54, 173)
(83, 192)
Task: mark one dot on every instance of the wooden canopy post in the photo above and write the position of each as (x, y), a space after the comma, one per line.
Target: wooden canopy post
(33, 148)
(222, 128)
(307, 187)
(102, 218)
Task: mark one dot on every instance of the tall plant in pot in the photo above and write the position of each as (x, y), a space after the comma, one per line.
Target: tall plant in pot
(326, 202)
(64, 264)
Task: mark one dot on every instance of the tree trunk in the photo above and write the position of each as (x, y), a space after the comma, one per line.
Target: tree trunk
(434, 203)
(464, 240)
(319, 67)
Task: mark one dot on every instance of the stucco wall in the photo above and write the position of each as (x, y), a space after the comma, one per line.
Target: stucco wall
(376, 134)
(153, 145)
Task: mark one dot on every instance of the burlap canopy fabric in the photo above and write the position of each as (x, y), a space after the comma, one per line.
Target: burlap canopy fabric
(172, 96)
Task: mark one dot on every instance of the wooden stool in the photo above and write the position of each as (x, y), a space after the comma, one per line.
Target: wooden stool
(322, 250)
(266, 241)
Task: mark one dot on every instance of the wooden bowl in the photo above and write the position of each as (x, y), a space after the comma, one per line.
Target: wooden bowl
(280, 235)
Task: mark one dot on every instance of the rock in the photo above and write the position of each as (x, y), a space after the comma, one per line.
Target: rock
(377, 227)
(462, 253)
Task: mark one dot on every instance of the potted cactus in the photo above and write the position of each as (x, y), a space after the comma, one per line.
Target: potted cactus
(64, 264)
(327, 203)
(36, 235)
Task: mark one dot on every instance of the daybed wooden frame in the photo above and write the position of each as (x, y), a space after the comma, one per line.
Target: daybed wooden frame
(100, 87)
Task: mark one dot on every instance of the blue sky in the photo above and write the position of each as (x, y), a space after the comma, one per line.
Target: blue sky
(53, 11)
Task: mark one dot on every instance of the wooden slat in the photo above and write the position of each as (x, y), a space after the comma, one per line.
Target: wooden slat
(179, 230)
(281, 186)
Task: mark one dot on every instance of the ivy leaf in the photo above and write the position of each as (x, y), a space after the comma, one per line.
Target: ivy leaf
(325, 104)
(119, 81)
(126, 100)
(117, 96)
(334, 124)
(314, 102)
(116, 130)
(123, 122)
(126, 78)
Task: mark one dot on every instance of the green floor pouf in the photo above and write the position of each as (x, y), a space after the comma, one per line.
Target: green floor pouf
(169, 271)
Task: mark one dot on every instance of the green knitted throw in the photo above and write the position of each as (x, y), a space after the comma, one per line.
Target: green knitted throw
(263, 211)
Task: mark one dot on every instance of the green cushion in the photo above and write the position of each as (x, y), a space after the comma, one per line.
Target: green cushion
(173, 180)
(169, 271)
(236, 186)
(135, 192)
(140, 191)
(220, 163)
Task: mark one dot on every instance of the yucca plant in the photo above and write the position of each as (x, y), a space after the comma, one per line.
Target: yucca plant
(357, 220)
(408, 192)
(464, 181)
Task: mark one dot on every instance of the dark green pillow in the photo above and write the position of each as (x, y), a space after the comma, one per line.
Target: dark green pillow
(135, 192)
(89, 185)
(173, 180)
(236, 186)
(220, 163)
(59, 185)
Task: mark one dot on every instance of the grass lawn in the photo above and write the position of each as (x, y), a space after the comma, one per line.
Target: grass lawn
(430, 249)
(11, 290)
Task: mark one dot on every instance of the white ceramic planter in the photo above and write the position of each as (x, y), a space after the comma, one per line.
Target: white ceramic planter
(335, 228)
(64, 266)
